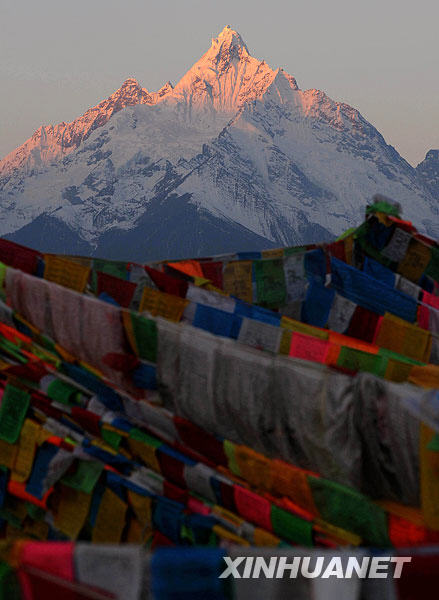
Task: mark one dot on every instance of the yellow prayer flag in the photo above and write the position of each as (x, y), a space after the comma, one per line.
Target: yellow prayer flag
(137, 534)
(27, 444)
(85, 261)
(415, 261)
(265, 538)
(397, 370)
(304, 328)
(8, 452)
(110, 520)
(162, 304)
(65, 272)
(237, 279)
(274, 253)
(201, 281)
(142, 507)
(404, 338)
(285, 342)
(73, 509)
(384, 219)
(145, 452)
(43, 435)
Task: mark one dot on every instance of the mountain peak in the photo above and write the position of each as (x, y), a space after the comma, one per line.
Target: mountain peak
(229, 38)
(228, 46)
(165, 89)
(130, 81)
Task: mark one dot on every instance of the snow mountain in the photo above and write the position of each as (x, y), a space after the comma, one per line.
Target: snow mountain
(234, 157)
(428, 171)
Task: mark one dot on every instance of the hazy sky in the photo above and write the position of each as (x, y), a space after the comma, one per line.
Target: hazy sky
(60, 57)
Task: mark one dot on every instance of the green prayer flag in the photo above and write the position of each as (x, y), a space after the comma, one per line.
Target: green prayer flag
(2, 274)
(47, 343)
(12, 349)
(229, 449)
(346, 508)
(290, 527)
(383, 207)
(357, 360)
(85, 477)
(433, 266)
(140, 436)
(145, 333)
(13, 411)
(399, 357)
(433, 444)
(270, 282)
(62, 392)
(112, 438)
(117, 269)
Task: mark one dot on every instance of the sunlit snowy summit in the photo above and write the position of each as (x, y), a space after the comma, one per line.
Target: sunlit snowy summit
(235, 156)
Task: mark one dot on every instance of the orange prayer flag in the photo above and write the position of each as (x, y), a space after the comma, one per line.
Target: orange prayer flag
(18, 490)
(190, 267)
(345, 340)
(426, 376)
(292, 482)
(254, 467)
(333, 354)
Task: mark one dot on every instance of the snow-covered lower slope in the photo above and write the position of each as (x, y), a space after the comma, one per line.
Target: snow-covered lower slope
(236, 156)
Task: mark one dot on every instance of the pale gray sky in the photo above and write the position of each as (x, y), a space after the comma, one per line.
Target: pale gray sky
(60, 57)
